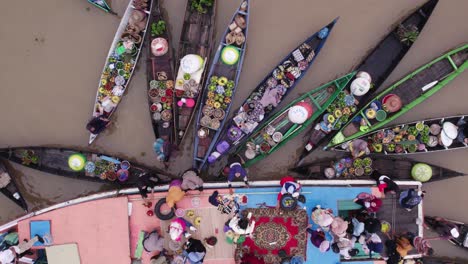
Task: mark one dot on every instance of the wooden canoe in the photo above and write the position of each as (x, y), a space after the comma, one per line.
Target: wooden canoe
(218, 94)
(379, 141)
(121, 61)
(397, 169)
(461, 240)
(103, 5)
(269, 93)
(196, 43)
(59, 161)
(280, 128)
(10, 189)
(378, 64)
(160, 76)
(412, 90)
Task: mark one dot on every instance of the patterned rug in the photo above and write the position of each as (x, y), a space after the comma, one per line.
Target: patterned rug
(274, 232)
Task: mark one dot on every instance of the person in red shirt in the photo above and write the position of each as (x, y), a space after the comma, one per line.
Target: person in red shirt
(289, 185)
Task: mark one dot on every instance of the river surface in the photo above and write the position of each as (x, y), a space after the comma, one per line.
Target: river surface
(53, 52)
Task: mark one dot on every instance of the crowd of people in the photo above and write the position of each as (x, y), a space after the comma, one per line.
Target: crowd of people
(359, 233)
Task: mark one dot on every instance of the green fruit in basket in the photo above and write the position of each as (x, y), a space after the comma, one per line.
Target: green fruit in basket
(419, 126)
(377, 147)
(230, 84)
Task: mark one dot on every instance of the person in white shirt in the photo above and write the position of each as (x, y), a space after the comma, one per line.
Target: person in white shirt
(242, 226)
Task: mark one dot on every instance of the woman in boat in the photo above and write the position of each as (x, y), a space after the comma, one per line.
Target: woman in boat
(106, 106)
(191, 181)
(163, 149)
(463, 132)
(358, 148)
(97, 124)
(445, 228)
(236, 170)
(369, 202)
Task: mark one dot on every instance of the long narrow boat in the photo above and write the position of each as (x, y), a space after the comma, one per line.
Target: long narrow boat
(160, 77)
(416, 137)
(82, 165)
(362, 168)
(270, 92)
(372, 71)
(195, 47)
(102, 4)
(290, 121)
(121, 60)
(405, 94)
(220, 89)
(9, 188)
(437, 224)
(112, 227)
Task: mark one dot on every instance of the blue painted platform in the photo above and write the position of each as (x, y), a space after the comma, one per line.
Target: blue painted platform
(327, 197)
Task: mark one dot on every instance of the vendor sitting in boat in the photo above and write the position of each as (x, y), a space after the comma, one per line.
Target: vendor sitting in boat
(462, 132)
(163, 149)
(358, 148)
(97, 124)
(289, 185)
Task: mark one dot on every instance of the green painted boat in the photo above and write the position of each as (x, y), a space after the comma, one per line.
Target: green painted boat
(371, 74)
(103, 5)
(291, 120)
(406, 139)
(405, 94)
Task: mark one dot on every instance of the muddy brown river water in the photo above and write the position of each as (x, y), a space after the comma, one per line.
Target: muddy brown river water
(53, 51)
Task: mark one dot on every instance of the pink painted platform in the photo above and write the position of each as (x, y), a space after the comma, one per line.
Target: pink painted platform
(100, 228)
(212, 222)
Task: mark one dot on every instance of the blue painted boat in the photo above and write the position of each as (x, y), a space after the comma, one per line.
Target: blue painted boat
(269, 93)
(221, 85)
(103, 5)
